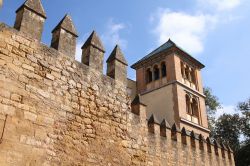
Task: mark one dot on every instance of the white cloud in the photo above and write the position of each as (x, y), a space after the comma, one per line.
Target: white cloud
(220, 5)
(226, 109)
(186, 30)
(112, 35)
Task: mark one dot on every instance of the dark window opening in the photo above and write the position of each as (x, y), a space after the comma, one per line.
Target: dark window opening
(156, 73)
(163, 70)
(193, 76)
(149, 76)
(194, 108)
(188, 105)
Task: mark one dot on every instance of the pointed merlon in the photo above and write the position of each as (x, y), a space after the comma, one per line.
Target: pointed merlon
(175, 128)
(201, 138)
(35, 6)
(223, 146)
(67, 24)
(216, 143)
(209, 141)
(151, 119)
(137, 101)
(192, 135)
(165, 124)
(229, 148)
(184, 132)
(95, 41)
(117, 55)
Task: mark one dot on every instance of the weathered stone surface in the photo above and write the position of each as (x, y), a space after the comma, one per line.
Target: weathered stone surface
(30, 18)
(64, 37)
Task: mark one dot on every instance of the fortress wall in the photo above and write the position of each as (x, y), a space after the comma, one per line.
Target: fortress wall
(57, 111)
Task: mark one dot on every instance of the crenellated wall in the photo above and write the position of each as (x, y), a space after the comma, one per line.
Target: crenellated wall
(55, 110)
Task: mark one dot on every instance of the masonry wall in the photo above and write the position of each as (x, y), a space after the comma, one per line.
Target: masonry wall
(163, 106)
(57, 111)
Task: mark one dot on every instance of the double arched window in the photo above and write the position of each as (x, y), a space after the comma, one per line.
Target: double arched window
(188, 73)
(156, 73)
(192, 108)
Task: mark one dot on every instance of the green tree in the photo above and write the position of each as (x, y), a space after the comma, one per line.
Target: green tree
(244, 108)
(230, 128)
(227, 130)
(242, 156)
(212, 105)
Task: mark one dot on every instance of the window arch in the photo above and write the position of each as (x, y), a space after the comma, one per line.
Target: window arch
(193, 77)
(163, 69)
(194, 107)
(182, 70)
(149, 76)
(156, 73)
(188, 104)
(187, 74)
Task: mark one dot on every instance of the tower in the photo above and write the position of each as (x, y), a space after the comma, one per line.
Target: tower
(169, 83)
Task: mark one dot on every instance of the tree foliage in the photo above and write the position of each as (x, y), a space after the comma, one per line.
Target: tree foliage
(227, 129)
(212, 105)
(232, 129)
(212, 101)
(235, 130)
(242, 156)
(244, 108)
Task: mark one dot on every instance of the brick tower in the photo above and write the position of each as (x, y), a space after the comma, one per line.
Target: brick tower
(169, 83)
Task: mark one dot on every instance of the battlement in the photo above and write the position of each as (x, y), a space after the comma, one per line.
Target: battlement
(213, 151)
(55, 110)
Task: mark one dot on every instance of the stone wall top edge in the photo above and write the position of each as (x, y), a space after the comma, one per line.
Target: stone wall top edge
(49, 51)
(158, 125)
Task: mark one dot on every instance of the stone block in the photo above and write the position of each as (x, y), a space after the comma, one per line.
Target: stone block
(16, 97)
(6, 109)
(30, 116)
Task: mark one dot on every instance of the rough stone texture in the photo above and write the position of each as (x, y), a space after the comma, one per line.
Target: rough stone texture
(64, 37)
(117, 65)
(93, 52)
(57, 111)
(30, 18)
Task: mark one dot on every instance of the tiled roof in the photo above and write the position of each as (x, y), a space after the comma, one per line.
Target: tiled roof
(169, 44)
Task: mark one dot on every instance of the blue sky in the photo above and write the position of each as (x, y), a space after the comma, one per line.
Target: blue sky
(216, 32)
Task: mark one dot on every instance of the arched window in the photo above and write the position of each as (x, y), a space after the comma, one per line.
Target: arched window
(149, 76)
(193, 78)
(182, 70)
(188, 105)
(187, 73)
(163, 69)
(194, 107)
(156, 73)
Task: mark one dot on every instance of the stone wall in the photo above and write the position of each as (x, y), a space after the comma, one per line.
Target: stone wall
(57, 111)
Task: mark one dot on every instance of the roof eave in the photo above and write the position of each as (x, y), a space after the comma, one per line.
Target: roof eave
(199, 64)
